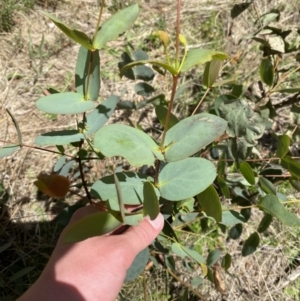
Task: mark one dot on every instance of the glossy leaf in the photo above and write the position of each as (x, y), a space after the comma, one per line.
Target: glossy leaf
(59, 138)
(132, 186)
(271, 204)
(121, 140)
(151, 204)
(283, 145)
(213, 257)
(231, 218)
(211, 72)
(75, 35)
(265, 223)
(116, 25)
(88, 61)
(186, 178)
(138, 265)
(54, 185)
(291, 165)
(201, 56)
(236, 231)
(64, 103)
(210, 203)
(226, 261)
(251, 244)
(191, 134)
(247, 172)
(161, 113)
(8, 150)
(95, 224)
(100, 115)
(267, 71)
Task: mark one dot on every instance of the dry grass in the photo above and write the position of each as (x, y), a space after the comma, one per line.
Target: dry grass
(27, 217)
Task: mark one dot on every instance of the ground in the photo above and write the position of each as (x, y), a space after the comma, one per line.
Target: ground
(35, 56)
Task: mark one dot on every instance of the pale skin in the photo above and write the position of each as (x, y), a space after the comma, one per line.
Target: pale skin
(94, 269)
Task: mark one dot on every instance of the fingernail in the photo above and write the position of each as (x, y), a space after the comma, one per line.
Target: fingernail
(158, 222)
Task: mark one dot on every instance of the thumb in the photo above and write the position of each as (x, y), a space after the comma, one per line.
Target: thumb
(141, 236)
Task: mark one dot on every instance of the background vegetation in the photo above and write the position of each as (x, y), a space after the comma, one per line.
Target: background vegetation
(36, 56)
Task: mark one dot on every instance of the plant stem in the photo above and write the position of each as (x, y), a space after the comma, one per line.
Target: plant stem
(99, 20)
(177, 33)
(200, 102)
(175, 81)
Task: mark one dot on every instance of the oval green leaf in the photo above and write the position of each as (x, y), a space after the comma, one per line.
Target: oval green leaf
(210, 203)
(92, 225)
(247, 172)
(223, 186)
(213, 257)
(116, 25)
(8, 150)
(211, 72)
(161, 113)
(131, 183)
(77, 36)
(186, 178)
(231, 218)
(265, 223)
(283, 145)
(100, 115)
(59, 138)
(191, 134)
(266, 70)
(151, 204)
(121, 140)
(251, 244)
(201, 56)
(267, 186)
(291, 165)
(64, 103)
(88, 61)
(271, 204)
(138, 265)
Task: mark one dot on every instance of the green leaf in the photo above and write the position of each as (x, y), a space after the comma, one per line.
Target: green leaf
(183, 252)
(223, 186)
(201, 56)
(291, 165)
(8, 150)
(211, 72)
(186, 178)
(226, 261)
(231, 218)
(116, 25)
(191, 134)
(271, 204)
(138, 265)
(6, 245)
(133, 219)
(132, 186)
(59, 164)
(59, 138)
(247, 172)
(210, 203)
(143, 89)
(213, 257)
(92, 225)
(161, 113)
(239, 8)
(64, 103)
(16, 124)
(64, 217)
(151, 204)
(100, 115)
(21, 273)
(77, 36)
(265, 223)
(266, 70)
(120, 198)
(121, 140)
(168, 231)
(236, 231)
(251, 244)
(267, 186)
(288, 90)
(83, 64)
(283, 145)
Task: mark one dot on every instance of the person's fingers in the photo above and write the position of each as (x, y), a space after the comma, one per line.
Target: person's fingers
(139, 237)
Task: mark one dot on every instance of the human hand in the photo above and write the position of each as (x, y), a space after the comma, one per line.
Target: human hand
(93, 269)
